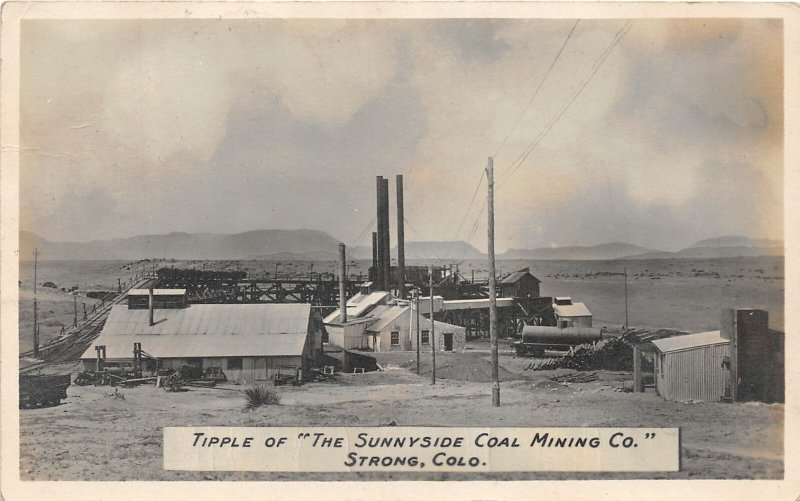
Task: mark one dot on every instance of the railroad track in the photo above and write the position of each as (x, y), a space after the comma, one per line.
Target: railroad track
(72, 346)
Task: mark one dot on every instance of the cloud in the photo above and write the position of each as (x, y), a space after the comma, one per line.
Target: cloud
(231, 125)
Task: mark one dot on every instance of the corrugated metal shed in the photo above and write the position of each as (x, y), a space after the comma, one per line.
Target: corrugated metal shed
(572, 310)
(677, 343)
(690, 367)
(207, 330)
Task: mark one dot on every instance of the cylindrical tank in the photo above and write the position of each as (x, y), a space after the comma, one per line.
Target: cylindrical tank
(535, 334)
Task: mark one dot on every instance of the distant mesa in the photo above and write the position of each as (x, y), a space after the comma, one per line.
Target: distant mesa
(314, 245)
(613, 250)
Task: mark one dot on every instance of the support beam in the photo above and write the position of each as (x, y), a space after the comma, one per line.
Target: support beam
(150, 305)
(637, 370)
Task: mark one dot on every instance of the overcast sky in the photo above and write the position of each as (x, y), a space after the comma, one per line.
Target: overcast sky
(134, 127)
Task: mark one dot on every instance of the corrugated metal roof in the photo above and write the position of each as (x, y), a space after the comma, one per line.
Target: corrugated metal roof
(677, 343)
(358, 305)
(213, 329)
(517, 275)
(224, 345)
(157, 292)
(572, 310)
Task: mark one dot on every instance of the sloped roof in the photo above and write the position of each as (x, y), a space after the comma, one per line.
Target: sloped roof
(514, 277)
(385, 315)
(688, 341)
(572, 310)
(206, 330)
(476, 304)
(359, 305)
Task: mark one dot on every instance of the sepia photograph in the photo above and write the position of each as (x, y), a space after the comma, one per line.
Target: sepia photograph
(416, 227)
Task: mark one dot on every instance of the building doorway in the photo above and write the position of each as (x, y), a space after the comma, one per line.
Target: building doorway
(448, 341)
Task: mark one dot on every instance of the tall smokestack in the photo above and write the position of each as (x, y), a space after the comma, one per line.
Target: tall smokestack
(150, 305)
(401, 240)
(342, 278)
(379, 279)
(387, 249)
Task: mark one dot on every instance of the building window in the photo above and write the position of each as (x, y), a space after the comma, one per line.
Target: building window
(395, 338)
(234, 362)
(426, 337)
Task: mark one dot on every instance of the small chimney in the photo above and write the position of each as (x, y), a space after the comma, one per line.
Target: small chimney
(342, 278)
(150, 305)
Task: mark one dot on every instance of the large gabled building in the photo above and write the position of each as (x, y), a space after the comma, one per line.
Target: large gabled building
(249, 342)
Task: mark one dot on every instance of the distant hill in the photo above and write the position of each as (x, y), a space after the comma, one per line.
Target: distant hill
(721, 247)
(614, 250)
(261, 243)
(313, 245)
(736, 241)
(441, 250)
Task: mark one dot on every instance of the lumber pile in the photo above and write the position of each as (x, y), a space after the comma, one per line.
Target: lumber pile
(610, 354)
(575, 377)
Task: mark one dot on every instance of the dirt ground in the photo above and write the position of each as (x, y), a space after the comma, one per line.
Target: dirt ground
(95, 436)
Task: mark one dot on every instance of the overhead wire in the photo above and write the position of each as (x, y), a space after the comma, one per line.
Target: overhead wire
(538, 87)
(595, 68)
(505, 140)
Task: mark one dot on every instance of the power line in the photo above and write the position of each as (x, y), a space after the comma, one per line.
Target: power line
(538, 87)
(466, 214)
(595, 68)
(364, 231)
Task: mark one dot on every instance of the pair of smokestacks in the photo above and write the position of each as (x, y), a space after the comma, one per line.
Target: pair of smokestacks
(381, 248)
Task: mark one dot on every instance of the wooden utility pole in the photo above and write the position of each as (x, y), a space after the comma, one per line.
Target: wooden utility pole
(75, 308)
(35, 328)
(342, 278)
(432, 336)
(35, 266)
(416, 308)
(35, 305)
(626, 297)
(492, 288)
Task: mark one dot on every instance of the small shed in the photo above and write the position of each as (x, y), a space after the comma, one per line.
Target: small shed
(521, 283)
(692, 367)
(569, 314)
